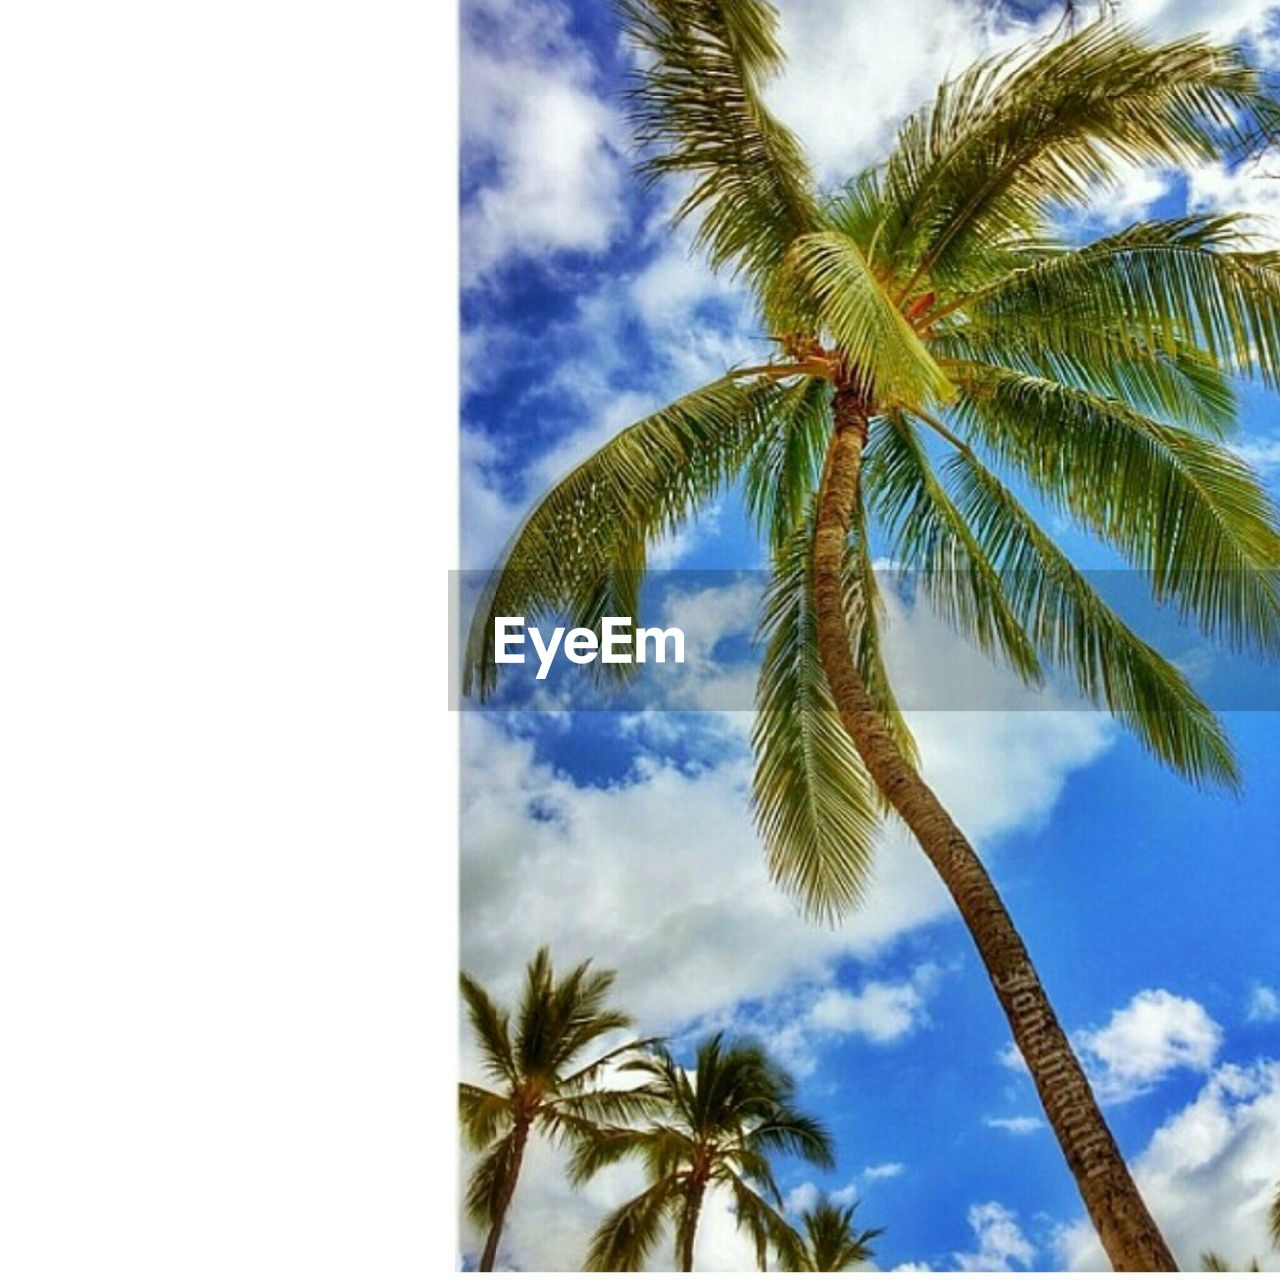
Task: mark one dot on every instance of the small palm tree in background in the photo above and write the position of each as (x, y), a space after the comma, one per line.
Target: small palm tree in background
(718, 1125)
(541, 1082)
(1210, 1261)
(931, 333)
(830, 1242)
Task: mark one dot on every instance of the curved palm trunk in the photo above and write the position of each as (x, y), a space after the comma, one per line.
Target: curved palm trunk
(1129, 1234)
(689, 1224)
(490, 1254)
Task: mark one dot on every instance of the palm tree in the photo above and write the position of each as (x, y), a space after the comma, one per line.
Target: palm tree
(830, 1241)
(541, 1086)
(930, 334)
(717, 1126)
(1275, 1220)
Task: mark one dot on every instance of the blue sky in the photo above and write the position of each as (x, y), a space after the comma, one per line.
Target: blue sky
(1152, 910)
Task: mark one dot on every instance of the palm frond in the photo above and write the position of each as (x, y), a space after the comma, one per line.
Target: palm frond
(816, 808)
(484, 1188)
(1078, 633)
(1171, 380)
(1016, 136)
(586, 1076)
(1155, 286)
(609, 1106)
(628, 1235)
(932, 540)
(1180, 507)
(786, 465)
(482, 1114)
(765, 1225)
(792, 1133)
(492, 1027)
(581, 551)
(697, 109)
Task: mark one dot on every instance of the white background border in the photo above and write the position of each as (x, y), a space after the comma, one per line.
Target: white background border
(227, 509)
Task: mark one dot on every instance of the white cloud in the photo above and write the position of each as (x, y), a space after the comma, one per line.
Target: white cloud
(882, 1011)
(1262, 453)
(878, 1172)
(1155, 1034)
(1207, 1174)
(797, 1027)
(1222, 20)
(549, 148)
(802, 1198)
(1252, 189)
(1264, 1004)
(855, 71)
(1020, 1125)
(1000, 1242)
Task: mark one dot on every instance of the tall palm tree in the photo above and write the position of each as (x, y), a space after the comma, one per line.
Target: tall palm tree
(542, 1085)
(930, 335)
(717, 1126)
(830, 1242)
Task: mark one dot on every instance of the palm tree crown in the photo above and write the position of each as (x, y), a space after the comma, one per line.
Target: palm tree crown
(541, 1081)
(1098, 376)
(718, 1125)
(830, 1241)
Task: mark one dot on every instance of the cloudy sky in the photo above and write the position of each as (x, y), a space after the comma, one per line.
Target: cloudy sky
(1152, 910)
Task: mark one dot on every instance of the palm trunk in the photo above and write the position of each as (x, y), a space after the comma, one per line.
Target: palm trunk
(1128, 1233)
(490, 1254)
(689, 1224)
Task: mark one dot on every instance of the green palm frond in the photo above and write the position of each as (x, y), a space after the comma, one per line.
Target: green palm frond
(816, 808)
(1189, 280)
(1274, 1223)
(1015, 137)
(628, 1235)
(932, 540)
(697, 110)
(1171, 380)
(1078, 633)
(581, 551)
(608, 1106)
(1180, 507)
(586, 1076)
(492, 1028)
(785, 466)
(791, 1133)
(827, 286)
(762, 1222)
(483, 1193)
(482, 1114)
(602, 1146)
